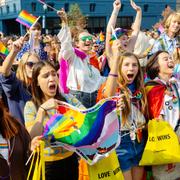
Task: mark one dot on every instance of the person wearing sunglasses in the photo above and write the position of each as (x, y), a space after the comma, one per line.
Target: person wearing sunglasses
(83, 79)
(17, 86)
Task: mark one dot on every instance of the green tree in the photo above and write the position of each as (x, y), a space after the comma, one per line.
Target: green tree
(75, 17)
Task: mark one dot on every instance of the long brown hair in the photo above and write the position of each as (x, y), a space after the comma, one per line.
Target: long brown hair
(139, 83)
(9, 126)
(152, 67)
(37, 93)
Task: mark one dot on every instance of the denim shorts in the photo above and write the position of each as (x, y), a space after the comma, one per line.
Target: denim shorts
(129, 152)
(87, 99)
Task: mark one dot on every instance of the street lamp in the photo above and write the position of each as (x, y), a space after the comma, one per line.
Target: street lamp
(44, 19)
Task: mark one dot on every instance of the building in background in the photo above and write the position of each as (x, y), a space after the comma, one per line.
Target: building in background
(98, 13)
(178, 5)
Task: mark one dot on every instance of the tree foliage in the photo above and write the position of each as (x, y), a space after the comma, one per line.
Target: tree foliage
(76, 18)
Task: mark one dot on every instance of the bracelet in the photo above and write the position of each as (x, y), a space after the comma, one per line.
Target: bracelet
(113, 75)
(109, 32)
(42, 108)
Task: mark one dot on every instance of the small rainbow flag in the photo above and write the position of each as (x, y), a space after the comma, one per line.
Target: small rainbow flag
(26, 19)
(117, 34)
(161, 28)
(3, 50)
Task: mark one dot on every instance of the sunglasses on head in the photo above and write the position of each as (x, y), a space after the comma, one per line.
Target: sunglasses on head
(30, 64)
(85, 38)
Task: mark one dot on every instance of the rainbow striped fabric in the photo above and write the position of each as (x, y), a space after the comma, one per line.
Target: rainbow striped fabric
(26, 19)
(118, 32)
(3, 50)
(91, 133)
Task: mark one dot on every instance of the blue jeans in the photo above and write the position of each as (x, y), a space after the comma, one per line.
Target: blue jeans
(129, 152)
(87, 99)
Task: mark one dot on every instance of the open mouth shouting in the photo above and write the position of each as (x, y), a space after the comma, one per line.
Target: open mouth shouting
(52, 87)
(130, 77)
(171, 65)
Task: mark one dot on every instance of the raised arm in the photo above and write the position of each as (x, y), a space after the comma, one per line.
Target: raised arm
(64, 36)
(111, 83)
(135, 26)
(112, 24)
(5, 69)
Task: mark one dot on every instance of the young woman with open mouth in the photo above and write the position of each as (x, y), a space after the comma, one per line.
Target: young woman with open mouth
(126, 80)
(163, 102)
(60, 163)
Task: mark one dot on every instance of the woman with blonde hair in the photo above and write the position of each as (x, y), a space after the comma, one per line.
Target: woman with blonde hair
(174, 16)
(169, 40)
(17, 86)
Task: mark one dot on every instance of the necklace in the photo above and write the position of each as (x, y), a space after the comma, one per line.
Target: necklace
(169, 91)
(137, 94)
(89, 69)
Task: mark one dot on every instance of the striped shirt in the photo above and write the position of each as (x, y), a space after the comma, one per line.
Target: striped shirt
(4, 148)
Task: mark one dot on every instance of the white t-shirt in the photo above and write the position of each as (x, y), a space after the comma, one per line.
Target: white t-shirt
(170, 110)
(82, 76)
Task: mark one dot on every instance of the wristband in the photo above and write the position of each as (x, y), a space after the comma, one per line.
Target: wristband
(113, 75)
(42, 108)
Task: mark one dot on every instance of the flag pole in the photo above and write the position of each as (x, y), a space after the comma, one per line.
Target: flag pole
(113, 32)
(48, 5)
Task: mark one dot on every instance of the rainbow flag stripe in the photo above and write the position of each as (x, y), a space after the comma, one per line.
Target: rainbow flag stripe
(66, 125)
(91, 133)
(26, 19)
(117, 34)
(3, 50)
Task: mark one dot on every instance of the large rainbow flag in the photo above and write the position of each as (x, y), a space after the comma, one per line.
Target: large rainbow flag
(91, 133)
(26, 19)
(3, 50)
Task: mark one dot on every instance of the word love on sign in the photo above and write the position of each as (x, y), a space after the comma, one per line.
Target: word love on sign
(106, 174)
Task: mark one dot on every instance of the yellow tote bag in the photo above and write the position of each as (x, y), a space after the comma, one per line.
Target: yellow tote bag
(106, 169)
(39, 164)
(162, 146)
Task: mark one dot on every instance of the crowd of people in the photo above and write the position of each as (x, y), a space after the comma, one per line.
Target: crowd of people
(125, 62)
